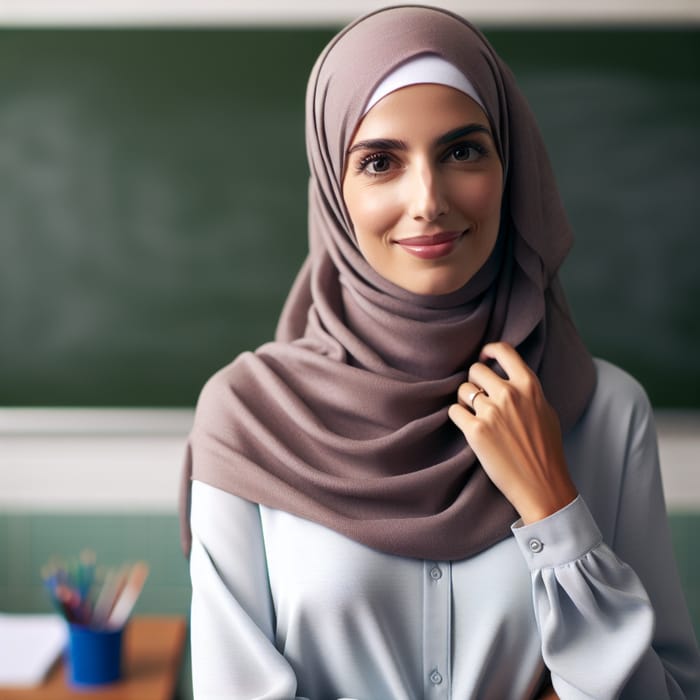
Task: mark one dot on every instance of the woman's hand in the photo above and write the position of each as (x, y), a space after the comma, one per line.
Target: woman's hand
(515, 434)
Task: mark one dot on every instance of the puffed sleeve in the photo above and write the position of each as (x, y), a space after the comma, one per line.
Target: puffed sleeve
(232, 620)
(612, 616)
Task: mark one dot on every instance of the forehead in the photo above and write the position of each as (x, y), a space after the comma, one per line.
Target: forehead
(417, 110)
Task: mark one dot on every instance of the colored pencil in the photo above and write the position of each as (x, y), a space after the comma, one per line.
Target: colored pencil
(95, 597)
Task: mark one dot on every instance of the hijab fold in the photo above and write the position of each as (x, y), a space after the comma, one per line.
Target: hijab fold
(342, 420)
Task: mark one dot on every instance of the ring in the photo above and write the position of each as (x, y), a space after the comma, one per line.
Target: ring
(472, 397)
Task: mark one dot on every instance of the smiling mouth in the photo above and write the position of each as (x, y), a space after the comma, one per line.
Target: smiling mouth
(435, 246)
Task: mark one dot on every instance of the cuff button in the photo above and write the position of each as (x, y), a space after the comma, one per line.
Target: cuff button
(535, 545)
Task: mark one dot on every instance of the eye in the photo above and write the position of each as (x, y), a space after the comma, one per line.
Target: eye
(375, 164)
(466, 152)
(380, 164)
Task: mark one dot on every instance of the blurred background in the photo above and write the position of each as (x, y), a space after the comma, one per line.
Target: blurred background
(153, 198)
(153, 216)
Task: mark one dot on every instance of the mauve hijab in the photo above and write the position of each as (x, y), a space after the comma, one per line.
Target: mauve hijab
(343, 419)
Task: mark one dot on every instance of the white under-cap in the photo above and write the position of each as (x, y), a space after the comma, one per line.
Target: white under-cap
(424, 69)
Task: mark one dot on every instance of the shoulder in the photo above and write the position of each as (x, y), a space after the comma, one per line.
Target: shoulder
(617, 386)
(220, 383)
(619, 401)
(250, 374)
(613, 445)
(220, 398)
(618, 417)
(618, 407)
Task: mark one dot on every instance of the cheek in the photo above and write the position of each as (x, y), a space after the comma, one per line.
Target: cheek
(481, 198)
(372, 210)
(479, 195)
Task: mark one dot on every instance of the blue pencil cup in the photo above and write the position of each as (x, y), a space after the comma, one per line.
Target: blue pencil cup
(94, 655)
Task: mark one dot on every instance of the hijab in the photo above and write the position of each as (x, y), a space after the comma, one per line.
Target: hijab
(342, 420)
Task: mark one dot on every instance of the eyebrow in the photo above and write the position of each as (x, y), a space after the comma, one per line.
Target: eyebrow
(379, 145)
(463, 131)
(398, 145)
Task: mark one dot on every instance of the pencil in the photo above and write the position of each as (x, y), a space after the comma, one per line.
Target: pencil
(111, 588)
(128, 597)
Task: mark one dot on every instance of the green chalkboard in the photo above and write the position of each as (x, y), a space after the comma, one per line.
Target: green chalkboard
(153, 200)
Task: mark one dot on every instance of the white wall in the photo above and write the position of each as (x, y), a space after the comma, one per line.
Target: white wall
(121, 460)
(336, 12)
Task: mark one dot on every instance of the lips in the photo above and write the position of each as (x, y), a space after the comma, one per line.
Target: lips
(433, 246)
(434, 239)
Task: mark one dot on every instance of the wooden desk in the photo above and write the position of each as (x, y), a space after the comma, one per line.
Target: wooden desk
(150, 664)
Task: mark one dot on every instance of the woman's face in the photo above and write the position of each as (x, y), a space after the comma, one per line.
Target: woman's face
(423, 185)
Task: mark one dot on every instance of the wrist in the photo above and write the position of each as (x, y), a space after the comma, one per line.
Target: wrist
(547, 504)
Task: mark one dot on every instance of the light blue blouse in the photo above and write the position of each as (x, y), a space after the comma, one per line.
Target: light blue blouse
(284, 608)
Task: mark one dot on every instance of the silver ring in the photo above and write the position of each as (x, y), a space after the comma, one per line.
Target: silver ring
(472, 397)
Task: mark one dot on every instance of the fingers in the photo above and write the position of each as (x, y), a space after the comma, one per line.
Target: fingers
(470, 395)
(485, 388)
(463, 414)
(461, 417)
(509, 359)
(518, 375)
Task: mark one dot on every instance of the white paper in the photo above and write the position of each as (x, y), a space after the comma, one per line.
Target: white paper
(29, 646)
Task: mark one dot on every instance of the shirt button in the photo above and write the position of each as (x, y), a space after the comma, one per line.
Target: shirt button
(435, 678)
(535, 545)
(435, 573)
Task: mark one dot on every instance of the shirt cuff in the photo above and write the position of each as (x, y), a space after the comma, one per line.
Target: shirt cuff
(560, 538)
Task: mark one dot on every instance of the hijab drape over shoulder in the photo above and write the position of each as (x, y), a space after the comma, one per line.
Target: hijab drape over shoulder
(343, 419)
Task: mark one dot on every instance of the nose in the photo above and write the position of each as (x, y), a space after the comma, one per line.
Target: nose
(427, 199)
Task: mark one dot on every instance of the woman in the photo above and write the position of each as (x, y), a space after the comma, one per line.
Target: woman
(377, 499)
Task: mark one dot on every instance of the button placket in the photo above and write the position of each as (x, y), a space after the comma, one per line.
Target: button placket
(437, 611)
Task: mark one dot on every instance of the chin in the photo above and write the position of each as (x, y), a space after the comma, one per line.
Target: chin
(434, 287)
